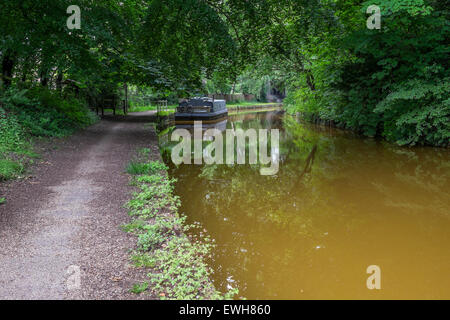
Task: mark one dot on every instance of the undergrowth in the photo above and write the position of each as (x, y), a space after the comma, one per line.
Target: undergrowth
(14, 147)
(175, 261)
(36, 112)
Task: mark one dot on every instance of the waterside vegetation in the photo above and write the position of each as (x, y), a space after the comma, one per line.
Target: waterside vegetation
(167, 247)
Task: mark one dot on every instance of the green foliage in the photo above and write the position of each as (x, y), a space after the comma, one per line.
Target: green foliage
(135, 225)
(184, 276)
(42, 112)
(188, 38)
(13, 146)
(12, 136)
(140, 168)
(397, 87)
(391, 82)
(10, 169)
(143, 260)
(139, 288)
(36, 112)
(155, 234)
(152, 200)
(417, 112)
(2, 201)
(333, 67)
(176, 262)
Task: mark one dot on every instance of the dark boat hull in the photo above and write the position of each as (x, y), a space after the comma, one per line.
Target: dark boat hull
(206, 117)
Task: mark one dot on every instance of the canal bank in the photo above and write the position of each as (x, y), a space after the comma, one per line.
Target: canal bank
(253, 106)
(170, 251)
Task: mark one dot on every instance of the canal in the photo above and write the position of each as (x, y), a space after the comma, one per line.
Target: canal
(338, 204)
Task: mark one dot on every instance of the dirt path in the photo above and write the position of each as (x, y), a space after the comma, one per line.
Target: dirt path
(66, 218)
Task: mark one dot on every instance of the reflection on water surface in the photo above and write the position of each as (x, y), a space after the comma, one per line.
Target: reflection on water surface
(338, 204)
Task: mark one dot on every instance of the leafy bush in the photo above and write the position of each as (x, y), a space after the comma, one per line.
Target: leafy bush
(42, 112)
(417, 111)
(10, 169)
(139, 288)
(12, 137)
(34, 112)
(13, 146)
(393, 82)
(139, 168)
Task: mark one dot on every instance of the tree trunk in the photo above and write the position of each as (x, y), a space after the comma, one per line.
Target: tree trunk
(59, 79)
(310, 80)
(7, 69)
(25, 70)
(44, 78)
(234, 87)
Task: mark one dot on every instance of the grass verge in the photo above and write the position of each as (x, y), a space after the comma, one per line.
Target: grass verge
(175, 261)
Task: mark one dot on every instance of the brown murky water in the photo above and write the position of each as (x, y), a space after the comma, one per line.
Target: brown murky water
(338, 204)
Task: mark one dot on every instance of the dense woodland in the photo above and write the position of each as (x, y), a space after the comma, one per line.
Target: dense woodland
(391, 82)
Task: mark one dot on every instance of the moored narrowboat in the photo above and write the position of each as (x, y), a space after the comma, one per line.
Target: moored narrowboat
(203, 109)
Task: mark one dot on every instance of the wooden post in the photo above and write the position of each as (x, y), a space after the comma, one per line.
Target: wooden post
(125, 105)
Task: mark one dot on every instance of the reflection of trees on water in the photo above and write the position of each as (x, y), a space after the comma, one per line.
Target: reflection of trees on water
(263, 224)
